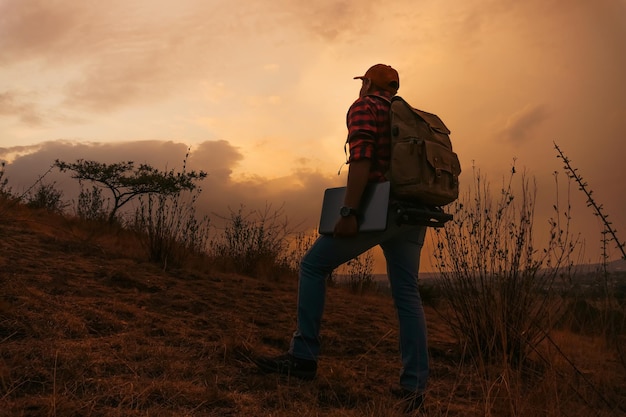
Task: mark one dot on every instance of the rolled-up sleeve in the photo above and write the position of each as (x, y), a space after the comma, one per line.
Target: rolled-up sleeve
(362, 130)
(369, 134)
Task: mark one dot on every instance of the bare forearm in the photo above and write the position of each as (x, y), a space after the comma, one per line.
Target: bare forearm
(358, 174)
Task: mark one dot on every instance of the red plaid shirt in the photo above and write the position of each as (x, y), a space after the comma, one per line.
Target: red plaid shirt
(369, 133)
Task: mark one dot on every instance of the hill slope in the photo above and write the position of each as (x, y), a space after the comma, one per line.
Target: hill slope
(88, 328)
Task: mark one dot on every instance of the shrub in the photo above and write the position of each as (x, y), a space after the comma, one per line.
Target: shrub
(5, 190)
(498, 287)
(297, 245)
(360, 273)
(91, 205)
(613, 313)
(253, 242)
(47, 197)
(169, 228)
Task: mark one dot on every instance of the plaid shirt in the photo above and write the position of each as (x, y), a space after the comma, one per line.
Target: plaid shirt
(369, 133)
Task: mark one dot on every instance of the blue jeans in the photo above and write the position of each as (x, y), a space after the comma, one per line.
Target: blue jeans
(401, 246)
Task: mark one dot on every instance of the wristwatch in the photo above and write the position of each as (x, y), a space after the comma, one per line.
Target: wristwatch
(346, 211)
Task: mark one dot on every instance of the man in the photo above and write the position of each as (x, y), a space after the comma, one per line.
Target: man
(369, 136)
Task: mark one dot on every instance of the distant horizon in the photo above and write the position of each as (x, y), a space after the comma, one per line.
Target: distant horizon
(615, 266)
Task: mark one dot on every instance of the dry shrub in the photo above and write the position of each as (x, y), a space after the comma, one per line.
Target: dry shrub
(499, 288)
(169, 228)
(253, 242)
(360, 272)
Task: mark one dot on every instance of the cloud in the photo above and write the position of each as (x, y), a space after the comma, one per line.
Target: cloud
(521, 125)
(22, 106)
(332, 20)
(217, 158)
(29, 111)
(39, 28)
(117, 53)
(296, 191)
(94, 57)
(116, 80)
(13, 152)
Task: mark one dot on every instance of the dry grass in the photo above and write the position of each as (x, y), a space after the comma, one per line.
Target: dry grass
(88, 328)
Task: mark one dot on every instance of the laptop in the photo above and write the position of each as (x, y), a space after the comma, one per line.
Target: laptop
(372, 210)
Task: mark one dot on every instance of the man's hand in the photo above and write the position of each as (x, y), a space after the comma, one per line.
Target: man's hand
(346, 227)
(357, 180)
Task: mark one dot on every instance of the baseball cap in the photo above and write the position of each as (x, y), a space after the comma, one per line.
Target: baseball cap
(382, 76)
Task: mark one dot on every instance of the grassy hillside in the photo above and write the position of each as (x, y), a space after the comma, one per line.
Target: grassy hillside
(88, 327)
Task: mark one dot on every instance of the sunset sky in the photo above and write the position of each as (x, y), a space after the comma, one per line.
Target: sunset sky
(259, 89)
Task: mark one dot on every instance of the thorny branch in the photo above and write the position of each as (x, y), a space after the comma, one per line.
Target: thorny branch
(583, 186)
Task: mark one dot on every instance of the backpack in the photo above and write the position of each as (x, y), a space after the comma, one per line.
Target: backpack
(423, 167)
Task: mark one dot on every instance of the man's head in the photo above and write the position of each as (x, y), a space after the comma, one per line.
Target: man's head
(381, 77)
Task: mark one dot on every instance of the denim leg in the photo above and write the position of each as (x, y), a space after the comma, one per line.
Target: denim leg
(402, 253)
(401, 246)
(326, 254)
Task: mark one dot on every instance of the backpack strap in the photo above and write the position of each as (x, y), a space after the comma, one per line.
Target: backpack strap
(420, 214)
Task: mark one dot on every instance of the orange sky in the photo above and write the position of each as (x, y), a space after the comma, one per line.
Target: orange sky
(259, 89)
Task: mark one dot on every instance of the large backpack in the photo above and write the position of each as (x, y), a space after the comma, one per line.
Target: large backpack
(423, 167)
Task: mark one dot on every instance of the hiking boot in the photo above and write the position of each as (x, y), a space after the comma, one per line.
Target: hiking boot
(287, 365)
(410, 400)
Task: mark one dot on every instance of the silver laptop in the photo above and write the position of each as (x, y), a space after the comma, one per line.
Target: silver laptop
(372, 210)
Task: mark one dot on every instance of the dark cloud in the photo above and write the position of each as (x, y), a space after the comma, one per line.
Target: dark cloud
(216, 158)
(34, 161)
(299, 193)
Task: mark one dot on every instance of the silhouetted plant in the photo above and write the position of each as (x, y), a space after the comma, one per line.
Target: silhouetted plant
(125, 181)
(252, 241)
(169, 227)
(91, 205)
(497, 284)
(297, 246)
(612, 314)
(10, 199)
(47, 197)
(5, 190)
(360, 271)
(591, 202)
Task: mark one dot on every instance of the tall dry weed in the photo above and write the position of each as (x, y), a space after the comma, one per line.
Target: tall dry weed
(613, 304)
(498, 286)
(91, 205)
(46, 197)
(169, 227)
(360, 272)
(253, 242)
